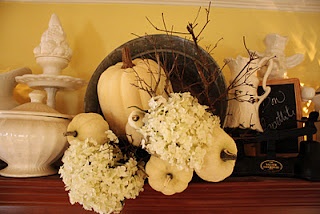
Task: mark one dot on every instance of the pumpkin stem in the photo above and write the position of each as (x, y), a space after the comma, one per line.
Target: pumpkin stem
(225, 155)
(169, 177)
(140, 109)
(126, 59)
(73, 133)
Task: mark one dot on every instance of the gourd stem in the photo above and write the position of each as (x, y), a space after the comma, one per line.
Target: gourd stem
(140, 109)
(73, 133)
(126, 58)
(168, 179)
(225, 155)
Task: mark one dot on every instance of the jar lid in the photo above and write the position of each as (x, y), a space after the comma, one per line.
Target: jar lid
(36, 107)
(36, 104)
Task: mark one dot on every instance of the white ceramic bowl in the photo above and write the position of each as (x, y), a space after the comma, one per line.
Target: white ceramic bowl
(30, 141)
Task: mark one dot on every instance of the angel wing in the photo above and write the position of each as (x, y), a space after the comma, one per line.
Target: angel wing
(294, 60)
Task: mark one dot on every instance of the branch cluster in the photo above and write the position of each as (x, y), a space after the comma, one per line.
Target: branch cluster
(201, 86)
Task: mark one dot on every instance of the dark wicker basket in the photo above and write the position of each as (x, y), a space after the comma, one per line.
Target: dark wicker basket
(172, 50)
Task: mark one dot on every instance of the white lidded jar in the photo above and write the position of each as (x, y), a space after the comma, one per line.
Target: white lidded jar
(31, 138)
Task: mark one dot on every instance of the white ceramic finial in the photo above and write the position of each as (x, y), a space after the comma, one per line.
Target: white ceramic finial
(53, 53)
(54, 21)
(53, 41)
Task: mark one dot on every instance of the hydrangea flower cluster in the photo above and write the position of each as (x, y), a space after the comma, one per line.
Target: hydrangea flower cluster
(100, 177)
(178, 129)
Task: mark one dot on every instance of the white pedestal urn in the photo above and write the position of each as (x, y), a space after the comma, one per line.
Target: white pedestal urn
(53, 54)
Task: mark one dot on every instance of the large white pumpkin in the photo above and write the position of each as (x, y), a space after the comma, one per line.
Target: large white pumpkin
(123, 87)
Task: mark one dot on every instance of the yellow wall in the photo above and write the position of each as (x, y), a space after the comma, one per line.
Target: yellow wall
(94, 30)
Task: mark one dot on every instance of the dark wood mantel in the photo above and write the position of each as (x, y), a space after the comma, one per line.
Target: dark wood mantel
(234, 195)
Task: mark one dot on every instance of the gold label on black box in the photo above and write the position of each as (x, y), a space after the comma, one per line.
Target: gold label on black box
(271, 166)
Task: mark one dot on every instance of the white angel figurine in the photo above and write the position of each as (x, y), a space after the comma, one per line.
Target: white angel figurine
(275, 46)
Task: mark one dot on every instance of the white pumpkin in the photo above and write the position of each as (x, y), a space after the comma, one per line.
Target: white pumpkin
(220, 158)
(123, 86)
(166, 178)
(87, 125)
(135, 121)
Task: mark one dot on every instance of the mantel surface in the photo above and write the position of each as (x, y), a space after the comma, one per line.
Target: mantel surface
(234, 195)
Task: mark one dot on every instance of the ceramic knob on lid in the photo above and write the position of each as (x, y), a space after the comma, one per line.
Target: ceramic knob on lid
(37, 107)
(36, 104)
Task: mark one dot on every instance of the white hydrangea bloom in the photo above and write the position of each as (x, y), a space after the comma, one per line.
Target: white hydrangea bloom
(178, 130)
(97, 177)
(112, 137)
(155, 102)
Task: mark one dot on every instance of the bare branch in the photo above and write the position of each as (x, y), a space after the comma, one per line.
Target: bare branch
(164, 30)
(210, 50)
(207, 20)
